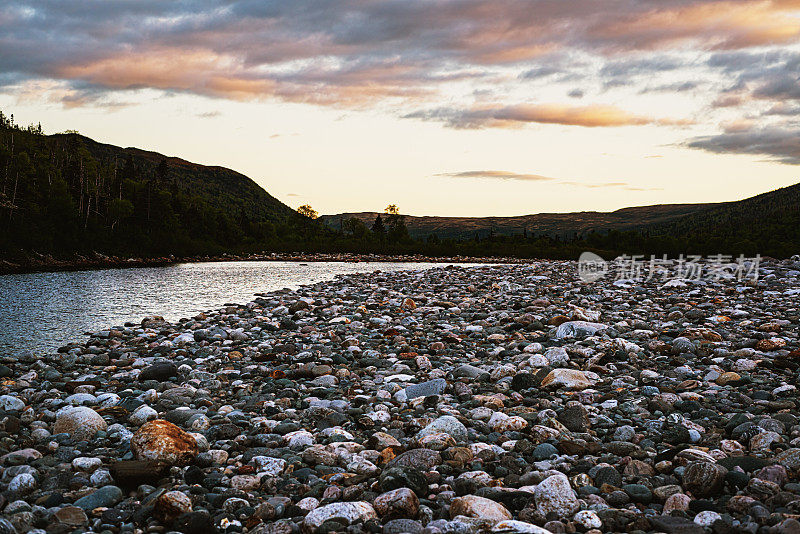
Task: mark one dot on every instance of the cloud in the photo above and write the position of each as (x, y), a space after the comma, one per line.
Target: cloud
(507, 175)
(728, 100)
(610, 185)
(784, 109)
(591, 116)
(676, 87)
(497, 175)
(351, 53)
(777, 143)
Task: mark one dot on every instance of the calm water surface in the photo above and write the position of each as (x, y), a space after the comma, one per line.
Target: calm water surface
(40, 312)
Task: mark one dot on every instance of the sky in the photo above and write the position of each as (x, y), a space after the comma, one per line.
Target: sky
(460, 108)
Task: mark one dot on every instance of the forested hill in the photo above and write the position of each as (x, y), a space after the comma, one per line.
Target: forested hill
(769, 221)
(563, 225)
(66, 193)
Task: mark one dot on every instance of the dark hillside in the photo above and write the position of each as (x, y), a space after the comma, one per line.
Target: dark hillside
(65, 193)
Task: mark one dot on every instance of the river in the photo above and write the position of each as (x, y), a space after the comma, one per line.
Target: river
(40, 312)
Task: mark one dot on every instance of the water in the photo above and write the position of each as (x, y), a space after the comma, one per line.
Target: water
(40, 312)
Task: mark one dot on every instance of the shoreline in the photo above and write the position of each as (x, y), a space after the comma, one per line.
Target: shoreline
(45, 263)
(489, 399)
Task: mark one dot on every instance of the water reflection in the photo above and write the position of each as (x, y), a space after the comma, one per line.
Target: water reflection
(40, 312)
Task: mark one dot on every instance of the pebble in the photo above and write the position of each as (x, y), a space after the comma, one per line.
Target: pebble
(479, 508)
(507, 399)
(80, 422)
(162, 441)
(555, 495)
(344, 513)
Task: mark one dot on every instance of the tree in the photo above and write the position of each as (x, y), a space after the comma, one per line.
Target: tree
(307, 211)
(355, 226)
(378, 227)
(397, 223)
(119, 209)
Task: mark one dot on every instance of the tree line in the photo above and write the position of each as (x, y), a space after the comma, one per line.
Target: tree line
(65, 194)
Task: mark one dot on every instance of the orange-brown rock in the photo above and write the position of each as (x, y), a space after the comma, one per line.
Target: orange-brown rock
(171, 505)
(162, 441)
(702, 333)
(771, 344)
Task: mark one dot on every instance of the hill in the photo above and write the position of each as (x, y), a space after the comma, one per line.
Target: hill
(66, 193)
(563, 225)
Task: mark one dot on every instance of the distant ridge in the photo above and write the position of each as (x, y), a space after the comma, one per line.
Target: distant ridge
(554, 224)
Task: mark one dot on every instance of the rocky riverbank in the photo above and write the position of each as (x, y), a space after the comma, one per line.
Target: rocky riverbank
(34, 262)
(506, 399)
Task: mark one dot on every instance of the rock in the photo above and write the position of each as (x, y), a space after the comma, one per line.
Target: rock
(624, 433)
(403, 526)
(511, 526)
(479, 507)
(470, 371)
(20, 457)
(10, 403)
(397, 503)
(746, 463)
(728, 378)
(707, 518)
(556, 356)
(676, 501)
(422, 459)
(162, 441)
(544, 451)
(446, 424)
(71, 516)
(87, 464)
(170, 505)
(588, 519)
(272, 467)
(638, 493)
(160, 371)
(344, 513)
(22, 484)
(704, 479)
(790, 459)
(425, 389)
(142, 414)
(404, 477)
(675, 525)
(287, 420)
(80, 422)
(574, 418)
(554, 494)
(106, 496)
(578, 329)
(566, 378)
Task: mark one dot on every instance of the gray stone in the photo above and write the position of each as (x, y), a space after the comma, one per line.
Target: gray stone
(425, 389)
(106, 496)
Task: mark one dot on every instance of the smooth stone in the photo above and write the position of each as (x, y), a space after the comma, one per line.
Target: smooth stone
(347, 513)
(80, 422)
(479, 507)
(426, 389)
(448, 425)
(554, 494)
(106, 497)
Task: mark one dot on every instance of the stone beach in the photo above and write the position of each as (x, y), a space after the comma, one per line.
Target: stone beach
(459, 400)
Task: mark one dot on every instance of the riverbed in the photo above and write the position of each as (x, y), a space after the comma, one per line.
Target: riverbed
(40, 312)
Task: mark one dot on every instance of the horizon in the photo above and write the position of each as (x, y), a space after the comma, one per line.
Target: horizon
(490, 109)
